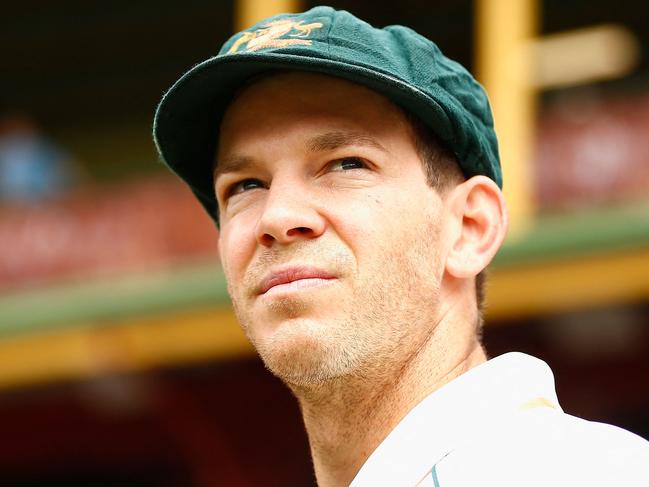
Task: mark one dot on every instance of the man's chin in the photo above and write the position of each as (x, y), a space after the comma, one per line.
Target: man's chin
(302, 357)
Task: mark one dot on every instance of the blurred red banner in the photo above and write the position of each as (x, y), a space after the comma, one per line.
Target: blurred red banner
(102, 230)
(593, 151)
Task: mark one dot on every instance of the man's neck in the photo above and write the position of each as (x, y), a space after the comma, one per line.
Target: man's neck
(347, 419)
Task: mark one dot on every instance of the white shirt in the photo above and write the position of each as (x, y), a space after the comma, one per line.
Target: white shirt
(500, 424)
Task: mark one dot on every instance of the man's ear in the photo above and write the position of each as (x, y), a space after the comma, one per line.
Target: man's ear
(479, 214)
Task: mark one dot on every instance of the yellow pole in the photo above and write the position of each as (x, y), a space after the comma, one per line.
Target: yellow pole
(503, 31)
(249, 12)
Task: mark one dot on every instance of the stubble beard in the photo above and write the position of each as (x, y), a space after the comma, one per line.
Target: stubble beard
(368, 337)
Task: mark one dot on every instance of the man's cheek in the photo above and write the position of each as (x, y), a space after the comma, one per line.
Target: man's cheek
(233, 258)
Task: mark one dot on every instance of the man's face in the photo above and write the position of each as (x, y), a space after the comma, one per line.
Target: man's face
(330, 235)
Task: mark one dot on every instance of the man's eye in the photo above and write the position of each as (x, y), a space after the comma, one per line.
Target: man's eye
(348, 163)
(245, 185)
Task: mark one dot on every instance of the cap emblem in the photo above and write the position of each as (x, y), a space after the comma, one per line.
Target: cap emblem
(278, 33)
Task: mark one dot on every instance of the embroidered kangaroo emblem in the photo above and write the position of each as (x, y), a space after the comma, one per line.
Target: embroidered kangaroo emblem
(274, 34)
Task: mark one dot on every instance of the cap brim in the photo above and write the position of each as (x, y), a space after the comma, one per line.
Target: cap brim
(188, 117)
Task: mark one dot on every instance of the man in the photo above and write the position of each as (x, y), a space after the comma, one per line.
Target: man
(355, 178)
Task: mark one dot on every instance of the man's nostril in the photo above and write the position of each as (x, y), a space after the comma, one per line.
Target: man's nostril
(299, 230)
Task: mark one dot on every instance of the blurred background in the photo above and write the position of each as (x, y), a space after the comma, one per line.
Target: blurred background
(120, 360)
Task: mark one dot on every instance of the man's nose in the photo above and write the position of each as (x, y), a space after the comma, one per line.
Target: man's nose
(289, 214)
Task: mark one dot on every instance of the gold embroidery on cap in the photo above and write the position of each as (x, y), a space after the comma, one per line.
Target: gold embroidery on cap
(271, 35)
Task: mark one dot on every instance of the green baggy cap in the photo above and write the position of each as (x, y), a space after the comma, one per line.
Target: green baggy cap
(394, 61)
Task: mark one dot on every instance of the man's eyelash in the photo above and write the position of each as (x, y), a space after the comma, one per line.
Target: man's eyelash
(350, 160)
(234, 188)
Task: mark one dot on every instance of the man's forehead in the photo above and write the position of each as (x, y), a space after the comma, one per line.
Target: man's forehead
(301, 95)
(307, 94)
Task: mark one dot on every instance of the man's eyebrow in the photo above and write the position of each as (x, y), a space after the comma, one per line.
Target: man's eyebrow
(333, 140)
(231, 164)
(320, 143)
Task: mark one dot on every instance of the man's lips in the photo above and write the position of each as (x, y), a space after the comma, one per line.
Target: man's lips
(307, 277)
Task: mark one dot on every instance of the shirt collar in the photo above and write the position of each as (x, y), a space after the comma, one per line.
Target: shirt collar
(476, 399)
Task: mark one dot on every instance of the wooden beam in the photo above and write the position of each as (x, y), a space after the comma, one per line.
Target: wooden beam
(126, 345)
(503, 29)
(249, 12)
(561, 285)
